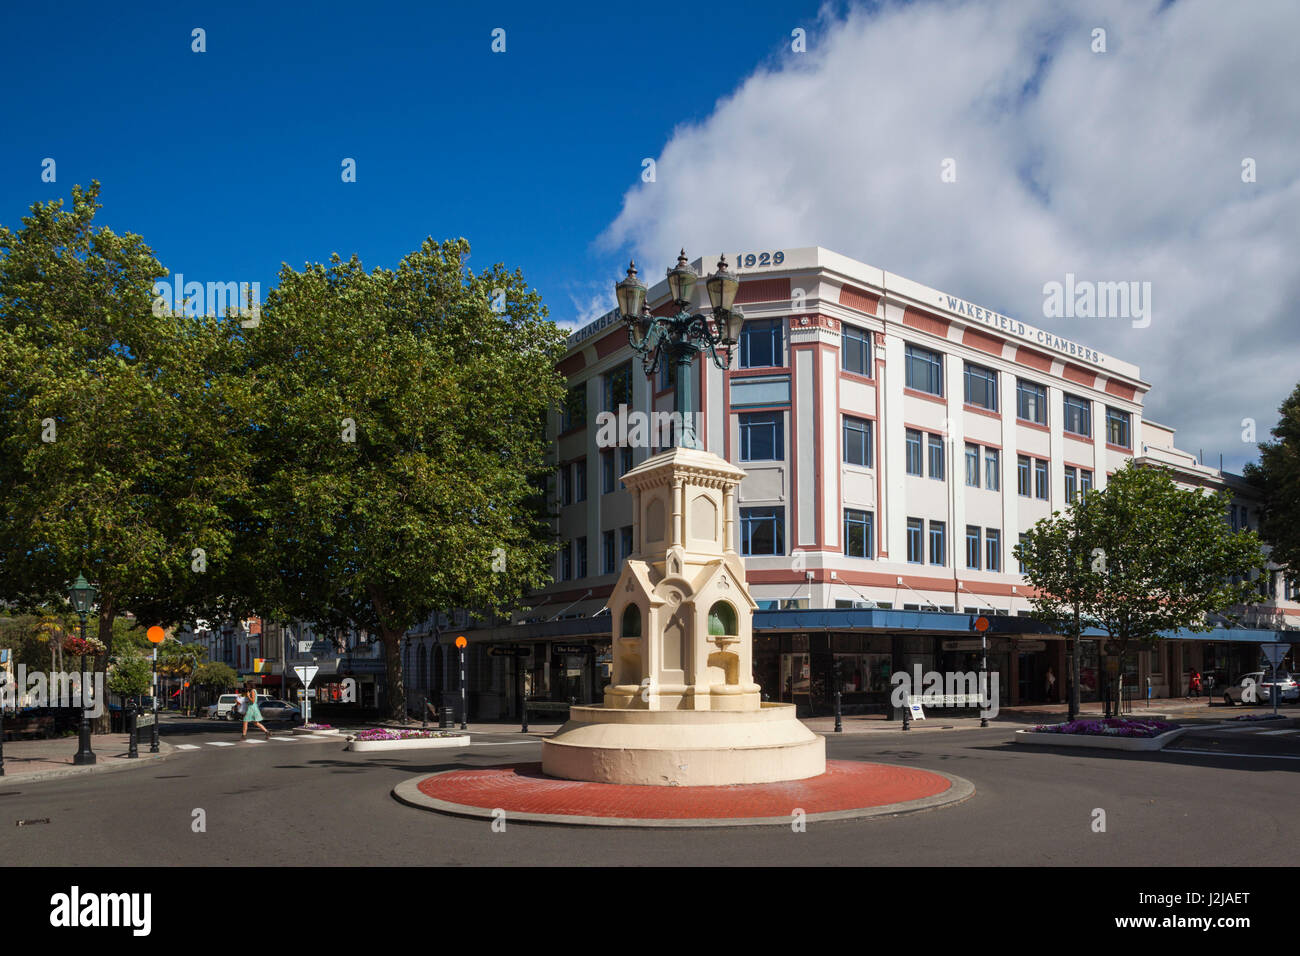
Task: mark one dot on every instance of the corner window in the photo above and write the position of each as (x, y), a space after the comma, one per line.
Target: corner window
(857, 441)
(762, 343)
(855, 350)
(762, 531)
(859, 527)
(762, 436)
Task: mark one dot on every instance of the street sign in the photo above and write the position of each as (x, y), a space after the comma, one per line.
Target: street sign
(981, 624)
(144, 720)
(155, 635)
(306, 673)
(1274, 653)
(302, 694)
(461, 642)
(914, 704)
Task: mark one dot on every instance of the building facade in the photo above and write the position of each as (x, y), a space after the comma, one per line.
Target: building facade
(897, 441)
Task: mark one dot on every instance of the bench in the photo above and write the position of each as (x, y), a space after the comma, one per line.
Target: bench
(20, 727)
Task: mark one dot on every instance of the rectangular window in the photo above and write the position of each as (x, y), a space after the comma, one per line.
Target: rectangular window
(858, 533)
(625, 461)
(973, 547)
(938, 543)
(923, 370)
(936, 457)
(914, 453)
(618, 387)
(580, 480)
(1040, 479)
(1031, 402)
(607, 475)
(855, 350)
(608, 552)
(566, 486)
(1022, 564)
(1078, 416)
(993, 549)
(1022, 476)
(566, 561)
(761, 436)
(973, 466)
(582, 557)
(992, 470)
(667, 374)
(857, 441)
(762, 531)
(981, 387)
(762, 343)
(575, 408)
(625, 542)
(914, 553)
(1085, 481)
(1071, 483)
(1117, 427)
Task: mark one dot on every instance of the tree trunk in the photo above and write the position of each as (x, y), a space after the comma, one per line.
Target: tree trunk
(102, 724)
(393, 661)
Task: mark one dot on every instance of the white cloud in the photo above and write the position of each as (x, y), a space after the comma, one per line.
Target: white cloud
(1124, 165)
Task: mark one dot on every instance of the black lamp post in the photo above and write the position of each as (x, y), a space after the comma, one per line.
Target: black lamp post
(83, 596)
(676, 338)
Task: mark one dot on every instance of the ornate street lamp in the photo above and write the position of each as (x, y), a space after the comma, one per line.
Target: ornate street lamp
(676, 338)
(83, 595)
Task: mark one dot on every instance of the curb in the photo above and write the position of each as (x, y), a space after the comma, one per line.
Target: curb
(166, 751)
(959, 790)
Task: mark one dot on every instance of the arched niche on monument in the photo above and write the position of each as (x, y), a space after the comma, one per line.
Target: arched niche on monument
(723, 663)
(704, 520)
(629, 650)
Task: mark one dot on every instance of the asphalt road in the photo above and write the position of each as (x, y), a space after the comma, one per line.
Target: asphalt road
(309, 802)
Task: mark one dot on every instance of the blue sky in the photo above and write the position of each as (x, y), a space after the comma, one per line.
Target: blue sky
(228, 162)
(1119, 164)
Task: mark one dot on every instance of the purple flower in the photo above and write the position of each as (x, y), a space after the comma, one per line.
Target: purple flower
(1109, 727)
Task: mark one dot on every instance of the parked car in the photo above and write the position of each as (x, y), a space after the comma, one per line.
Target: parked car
(1288, 688)
(226, 707)
(273, 709)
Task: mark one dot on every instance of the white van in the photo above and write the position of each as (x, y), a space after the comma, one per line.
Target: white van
(226, 707)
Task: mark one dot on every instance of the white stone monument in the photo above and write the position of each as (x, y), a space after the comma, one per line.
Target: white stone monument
(682, 708)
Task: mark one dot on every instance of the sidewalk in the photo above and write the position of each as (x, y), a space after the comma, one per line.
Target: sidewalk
(28, 760)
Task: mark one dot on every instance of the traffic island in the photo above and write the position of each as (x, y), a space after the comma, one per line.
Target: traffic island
(384, 739)
(847, 790)
(1112, 733)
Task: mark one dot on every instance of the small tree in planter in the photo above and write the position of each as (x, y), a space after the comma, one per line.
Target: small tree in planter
(1139, 558)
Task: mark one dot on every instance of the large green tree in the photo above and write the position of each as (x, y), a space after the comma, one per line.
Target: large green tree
(1277, 476)
(1139, 558)
(118, 423)
(399, 444)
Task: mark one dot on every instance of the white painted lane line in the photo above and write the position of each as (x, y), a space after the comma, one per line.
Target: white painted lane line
(253, 741)
(285, 738)
(1274, 733)
(1229, 730)
(503, 743)
(220, 743)
(1218, 753)
(187, 746)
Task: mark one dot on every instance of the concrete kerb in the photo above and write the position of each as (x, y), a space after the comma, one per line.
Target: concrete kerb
(409, 793)
(165, 752)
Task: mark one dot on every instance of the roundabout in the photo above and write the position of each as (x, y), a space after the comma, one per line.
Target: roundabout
(847, 790)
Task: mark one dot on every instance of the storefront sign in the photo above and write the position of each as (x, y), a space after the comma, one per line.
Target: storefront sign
(1031, 647)
(573, 649)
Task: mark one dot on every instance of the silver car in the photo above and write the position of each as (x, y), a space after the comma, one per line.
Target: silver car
(273, 709)
(1257, 688)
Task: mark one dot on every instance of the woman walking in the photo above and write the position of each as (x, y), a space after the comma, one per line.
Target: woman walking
(252, 715)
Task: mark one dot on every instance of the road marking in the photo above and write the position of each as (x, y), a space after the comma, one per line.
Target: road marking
(1274, 733)
(251, 741)
(1230, 730)
(284, 738)
(187, 746)
(1220, 753)
(503, 743)
(220, 743)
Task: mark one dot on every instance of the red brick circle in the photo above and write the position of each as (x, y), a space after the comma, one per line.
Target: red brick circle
(522, 788)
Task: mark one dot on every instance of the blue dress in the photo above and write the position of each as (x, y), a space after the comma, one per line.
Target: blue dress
(252, 714)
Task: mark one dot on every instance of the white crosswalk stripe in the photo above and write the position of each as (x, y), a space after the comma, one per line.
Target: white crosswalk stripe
(1274, 733)
(187, 746)
(220, 743)
(285, 738)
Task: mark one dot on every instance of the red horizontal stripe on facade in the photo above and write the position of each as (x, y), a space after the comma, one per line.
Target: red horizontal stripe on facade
(1076, 374)
(1120, 389)
(1027, 356)
(611, 343)
(573, 363)
(859, 299)
(985, 343)
(926, 322)
(764, 290)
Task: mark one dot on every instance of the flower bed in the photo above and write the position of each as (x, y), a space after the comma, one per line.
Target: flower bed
(1111, 733)
(316, 730)
(383, 738)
